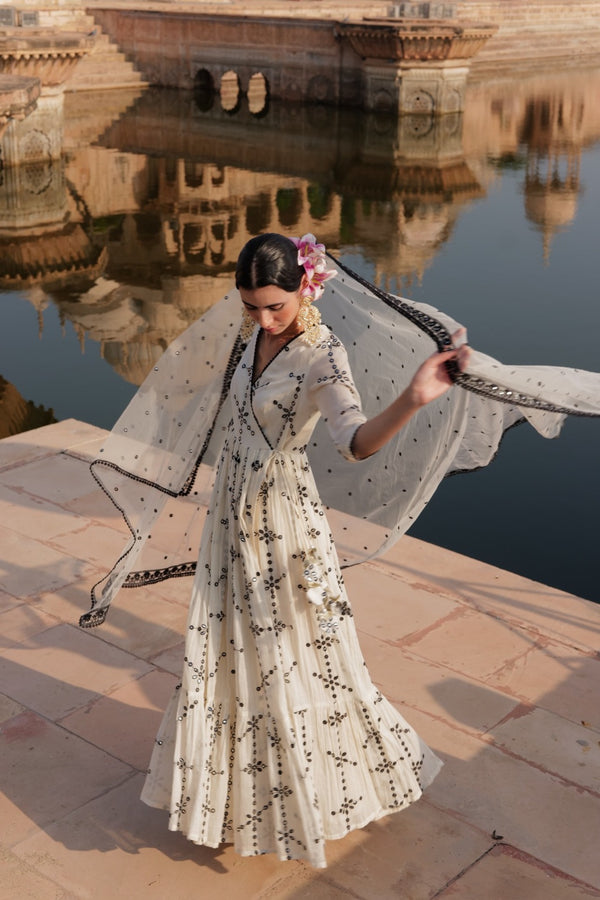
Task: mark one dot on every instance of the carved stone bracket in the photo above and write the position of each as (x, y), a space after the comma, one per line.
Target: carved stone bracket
(42, 54)
(407, 41)
(415, 67)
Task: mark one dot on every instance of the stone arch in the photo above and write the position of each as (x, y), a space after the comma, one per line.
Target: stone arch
(217, 243)
(232, 226)
(258, 214)
(217, 175)
(170, 169)
(258, 94)
(204, 90)
(230, 92)
(193, 173)
(320, 200)
(289, 206)
(194, 243)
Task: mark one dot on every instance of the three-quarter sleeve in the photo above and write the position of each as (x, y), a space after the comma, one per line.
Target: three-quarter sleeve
(334, 393)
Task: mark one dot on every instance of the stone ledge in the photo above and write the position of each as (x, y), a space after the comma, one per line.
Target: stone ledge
(495, 671)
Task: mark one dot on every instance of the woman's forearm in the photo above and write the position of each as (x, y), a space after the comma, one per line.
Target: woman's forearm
(429, 382)
(376, 432)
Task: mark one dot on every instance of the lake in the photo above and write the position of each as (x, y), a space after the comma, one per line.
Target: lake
(492, 215)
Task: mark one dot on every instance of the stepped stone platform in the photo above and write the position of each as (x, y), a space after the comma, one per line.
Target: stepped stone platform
(105, 66)
(499, 674)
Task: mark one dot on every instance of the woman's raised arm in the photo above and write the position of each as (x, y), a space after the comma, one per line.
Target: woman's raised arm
(429, 382)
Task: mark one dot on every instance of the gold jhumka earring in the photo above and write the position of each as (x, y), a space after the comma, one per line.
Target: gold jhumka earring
(309, 318)
(247, 326)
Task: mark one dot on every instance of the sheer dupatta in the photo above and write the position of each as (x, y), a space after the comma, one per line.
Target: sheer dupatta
(153, 465)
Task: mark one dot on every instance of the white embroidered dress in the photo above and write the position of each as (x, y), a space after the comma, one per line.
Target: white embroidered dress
(276, 739)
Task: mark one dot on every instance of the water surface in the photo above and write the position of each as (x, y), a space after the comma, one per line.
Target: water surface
(491, 216)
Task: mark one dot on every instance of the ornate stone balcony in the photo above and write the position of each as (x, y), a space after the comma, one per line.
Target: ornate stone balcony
(408, 41)
(40, 53)
(414, 66)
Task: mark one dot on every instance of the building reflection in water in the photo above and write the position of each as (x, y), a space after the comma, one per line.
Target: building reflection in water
(551, 131)
(540, 124)
(135, 233)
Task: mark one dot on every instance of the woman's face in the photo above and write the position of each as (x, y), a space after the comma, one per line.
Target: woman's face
(274, 309)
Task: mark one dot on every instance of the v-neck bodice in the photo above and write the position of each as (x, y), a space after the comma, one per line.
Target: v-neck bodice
(280, 408)
(257, 375)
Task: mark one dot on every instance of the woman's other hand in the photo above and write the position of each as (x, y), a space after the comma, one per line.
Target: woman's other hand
(432, 378)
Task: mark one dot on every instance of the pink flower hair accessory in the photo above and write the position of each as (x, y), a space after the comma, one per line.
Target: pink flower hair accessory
(311, 256)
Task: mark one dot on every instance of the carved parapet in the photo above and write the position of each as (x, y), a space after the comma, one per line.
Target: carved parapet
(49, 56)
(409, 42)
(415, 66)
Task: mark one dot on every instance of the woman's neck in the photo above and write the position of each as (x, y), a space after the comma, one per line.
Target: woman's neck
(277, 340)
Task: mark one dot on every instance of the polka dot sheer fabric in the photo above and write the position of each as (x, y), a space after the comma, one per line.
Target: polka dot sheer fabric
(156, 464)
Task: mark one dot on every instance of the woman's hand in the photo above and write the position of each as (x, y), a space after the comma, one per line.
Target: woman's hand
(432, 379)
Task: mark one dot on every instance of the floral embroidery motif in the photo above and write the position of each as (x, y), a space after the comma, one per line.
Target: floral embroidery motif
(329, 609)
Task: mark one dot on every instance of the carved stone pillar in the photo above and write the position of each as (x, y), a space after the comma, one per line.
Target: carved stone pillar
(38, 138)
(432, 89)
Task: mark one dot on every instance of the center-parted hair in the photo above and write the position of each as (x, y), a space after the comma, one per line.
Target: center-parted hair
(268, 259)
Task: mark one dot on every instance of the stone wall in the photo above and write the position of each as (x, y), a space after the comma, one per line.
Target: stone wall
(301, 59)
(530, 33)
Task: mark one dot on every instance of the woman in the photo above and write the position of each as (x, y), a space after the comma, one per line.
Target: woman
(276, 740)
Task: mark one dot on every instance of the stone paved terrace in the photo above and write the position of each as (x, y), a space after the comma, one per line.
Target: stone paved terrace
(498, 673)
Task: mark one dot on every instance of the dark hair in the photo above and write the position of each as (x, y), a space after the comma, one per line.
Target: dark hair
(268, 259)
